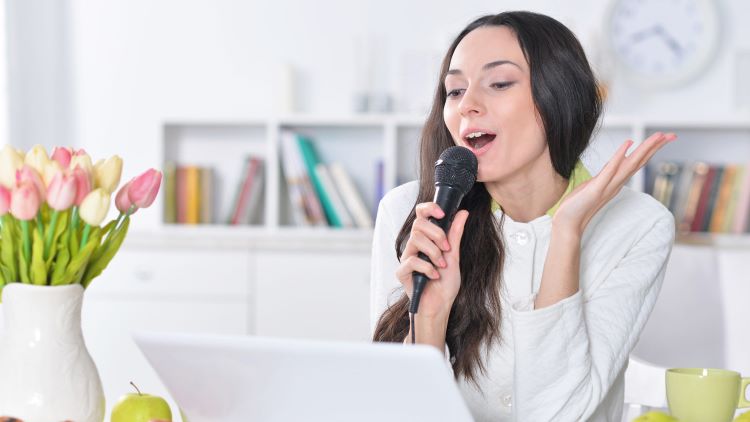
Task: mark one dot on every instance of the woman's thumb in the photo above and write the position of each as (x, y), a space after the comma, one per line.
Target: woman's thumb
(456, 232)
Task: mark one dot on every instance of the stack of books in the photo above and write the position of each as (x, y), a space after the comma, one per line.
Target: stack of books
(703, 197)
(188, 194)
(321, 194)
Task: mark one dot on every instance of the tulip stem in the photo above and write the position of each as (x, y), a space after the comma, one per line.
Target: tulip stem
(85, 238)
(74, 219)
(26, 240)
(50, 233)
(39, 223)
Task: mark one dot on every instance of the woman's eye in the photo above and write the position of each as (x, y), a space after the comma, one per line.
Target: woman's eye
(454, 92)
(501, 85)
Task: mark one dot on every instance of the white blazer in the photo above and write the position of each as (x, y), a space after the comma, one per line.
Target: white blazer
(565, 362)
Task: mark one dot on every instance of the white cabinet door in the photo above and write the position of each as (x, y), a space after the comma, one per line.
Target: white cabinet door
(318, 295)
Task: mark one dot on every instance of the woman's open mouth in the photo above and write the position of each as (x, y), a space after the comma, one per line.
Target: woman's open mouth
(479, 142)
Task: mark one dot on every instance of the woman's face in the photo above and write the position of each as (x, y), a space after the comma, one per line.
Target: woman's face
(489, 108)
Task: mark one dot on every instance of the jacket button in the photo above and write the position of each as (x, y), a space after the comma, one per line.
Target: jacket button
(521, 237)
(507, 400)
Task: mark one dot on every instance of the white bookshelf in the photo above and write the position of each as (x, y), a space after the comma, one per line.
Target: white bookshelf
(359, 141)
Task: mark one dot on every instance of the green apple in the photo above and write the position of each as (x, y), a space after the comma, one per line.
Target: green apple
(745, 417)
(139, 407)
(652, 416)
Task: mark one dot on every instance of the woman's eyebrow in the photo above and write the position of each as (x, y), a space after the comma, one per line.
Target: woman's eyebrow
(486, 67)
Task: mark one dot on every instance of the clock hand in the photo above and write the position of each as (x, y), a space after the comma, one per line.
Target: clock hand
(671, 42)
(644, 33)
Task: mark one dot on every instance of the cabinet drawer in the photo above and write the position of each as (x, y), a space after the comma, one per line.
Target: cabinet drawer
(175, 273)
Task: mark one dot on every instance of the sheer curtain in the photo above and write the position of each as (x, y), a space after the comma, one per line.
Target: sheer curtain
(3, 77)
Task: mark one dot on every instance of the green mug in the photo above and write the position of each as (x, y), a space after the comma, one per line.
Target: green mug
(705, 395)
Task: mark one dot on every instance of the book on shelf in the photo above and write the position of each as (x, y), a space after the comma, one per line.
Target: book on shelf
(170, 194)
(246, 207)
(320, 193)
(188, 194)
(704, 197)
(311, 159)
(337, 202)
(306, 208)
(353, 200)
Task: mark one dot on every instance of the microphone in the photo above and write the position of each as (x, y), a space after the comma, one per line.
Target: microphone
(455, 174)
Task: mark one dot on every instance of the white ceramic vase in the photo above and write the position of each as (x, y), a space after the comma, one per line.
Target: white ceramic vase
(46, 373)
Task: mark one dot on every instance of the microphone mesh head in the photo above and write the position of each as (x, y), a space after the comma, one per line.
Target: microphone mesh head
(457, 167)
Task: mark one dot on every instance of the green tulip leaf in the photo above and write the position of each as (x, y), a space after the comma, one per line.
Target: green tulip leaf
(7, 253)
(106, 252)
(78, 264)
(38, 267)
(23, 268)
(61, 262)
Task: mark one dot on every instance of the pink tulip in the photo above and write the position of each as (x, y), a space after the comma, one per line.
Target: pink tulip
(79, 152)
(62, 192)
(62, 155)
(28, 174)
(4, 200)
(25, 201)
(143, 189)
(122, 199)
(83, 184)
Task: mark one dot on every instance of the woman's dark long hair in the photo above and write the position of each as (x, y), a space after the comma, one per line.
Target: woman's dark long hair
(565, 95)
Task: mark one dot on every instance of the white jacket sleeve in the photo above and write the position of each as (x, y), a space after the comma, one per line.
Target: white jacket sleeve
(384, 287)
(568, 355)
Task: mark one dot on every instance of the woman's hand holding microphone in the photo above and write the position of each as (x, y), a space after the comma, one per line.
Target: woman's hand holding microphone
(443, 270)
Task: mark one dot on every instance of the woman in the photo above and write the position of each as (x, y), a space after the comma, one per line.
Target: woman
(541, 287)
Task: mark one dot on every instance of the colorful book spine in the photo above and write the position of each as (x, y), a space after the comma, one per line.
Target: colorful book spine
(206, 195)
(740, 224)
(311, 159)
(170, 192)
(241, 199)
(337, 202)
(351, 196)
(192, 187)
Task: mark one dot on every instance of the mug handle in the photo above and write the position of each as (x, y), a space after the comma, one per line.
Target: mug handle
(743, 400)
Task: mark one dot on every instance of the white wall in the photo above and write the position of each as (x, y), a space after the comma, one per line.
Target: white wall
(139, 62)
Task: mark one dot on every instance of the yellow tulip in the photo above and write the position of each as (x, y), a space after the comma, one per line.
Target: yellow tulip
(37, 158)
(83, 161)
(10, 161)
(107, 173)
(94, 207)
(50, 170)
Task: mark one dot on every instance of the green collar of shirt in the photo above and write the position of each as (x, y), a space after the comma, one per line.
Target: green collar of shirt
(580, 175)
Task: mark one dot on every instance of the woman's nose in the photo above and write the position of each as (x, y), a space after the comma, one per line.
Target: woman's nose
(470, 103)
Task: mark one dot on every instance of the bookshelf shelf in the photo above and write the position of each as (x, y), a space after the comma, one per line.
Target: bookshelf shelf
(360, 143)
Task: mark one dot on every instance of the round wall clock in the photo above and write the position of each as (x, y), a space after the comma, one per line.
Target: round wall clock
(663, 43)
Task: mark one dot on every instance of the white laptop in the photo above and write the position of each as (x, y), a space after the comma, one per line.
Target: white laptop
(243, 378)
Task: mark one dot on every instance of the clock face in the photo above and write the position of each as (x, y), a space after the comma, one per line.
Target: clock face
(663, 42)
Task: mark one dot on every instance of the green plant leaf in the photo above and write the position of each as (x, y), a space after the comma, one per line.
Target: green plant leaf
(77, 265)
(7, 253)
(23, 268)
(105, 253)
(38, 270)
(61, 262)
(74, 242)
(62, 225)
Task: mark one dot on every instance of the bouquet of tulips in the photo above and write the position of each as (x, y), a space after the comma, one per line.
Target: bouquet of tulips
(52, 210)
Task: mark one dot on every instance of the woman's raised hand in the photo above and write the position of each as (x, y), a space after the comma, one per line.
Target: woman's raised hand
(582, 203)
(443, 251)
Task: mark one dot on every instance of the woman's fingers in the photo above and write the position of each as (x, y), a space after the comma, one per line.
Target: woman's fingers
(455, 234)
(425, 245)
(432, 231)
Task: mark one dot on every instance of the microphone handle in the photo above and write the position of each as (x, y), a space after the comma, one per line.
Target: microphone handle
(448, 198)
